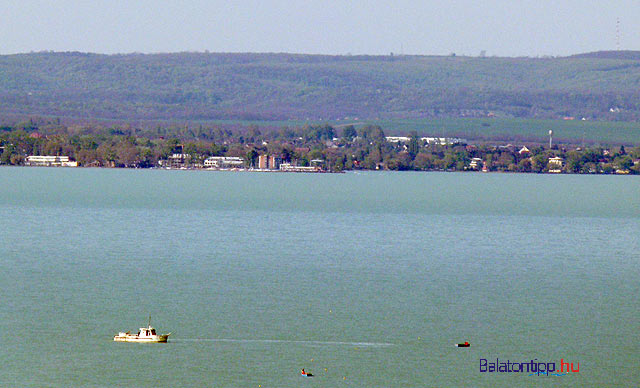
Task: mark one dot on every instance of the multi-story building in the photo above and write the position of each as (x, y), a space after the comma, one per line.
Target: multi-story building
(50, 161)
(263, 162)
(274, 162)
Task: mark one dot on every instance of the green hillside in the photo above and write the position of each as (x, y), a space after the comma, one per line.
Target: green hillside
(209, 86)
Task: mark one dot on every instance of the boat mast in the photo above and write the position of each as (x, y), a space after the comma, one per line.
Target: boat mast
(149, 321)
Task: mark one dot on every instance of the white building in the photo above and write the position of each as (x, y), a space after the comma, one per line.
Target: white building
(224, 162)
(398, 139)
(556, 161)
(443, 140)
(555, 164)
(428, 140)
(288, 167)
(176, 160)
(476, 163)
(50, 161)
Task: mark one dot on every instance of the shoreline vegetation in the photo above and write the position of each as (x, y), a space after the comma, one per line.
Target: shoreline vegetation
(309, 148)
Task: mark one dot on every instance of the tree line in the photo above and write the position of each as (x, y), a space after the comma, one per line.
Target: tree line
(346, 148)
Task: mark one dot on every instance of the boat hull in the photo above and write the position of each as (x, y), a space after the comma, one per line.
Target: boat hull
(158, 339)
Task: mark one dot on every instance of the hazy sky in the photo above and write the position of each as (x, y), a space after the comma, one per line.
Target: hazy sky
(503, 28)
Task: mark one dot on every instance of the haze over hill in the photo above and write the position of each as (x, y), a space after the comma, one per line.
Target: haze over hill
(218, 86)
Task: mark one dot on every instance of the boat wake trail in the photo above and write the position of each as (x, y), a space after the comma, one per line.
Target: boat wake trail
(268, 341)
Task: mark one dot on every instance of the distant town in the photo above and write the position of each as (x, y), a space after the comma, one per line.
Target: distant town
(312, 149)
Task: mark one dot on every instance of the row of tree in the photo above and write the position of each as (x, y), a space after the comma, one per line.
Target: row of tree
(340, 149)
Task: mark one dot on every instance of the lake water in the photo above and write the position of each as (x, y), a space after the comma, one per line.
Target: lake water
(364, 279)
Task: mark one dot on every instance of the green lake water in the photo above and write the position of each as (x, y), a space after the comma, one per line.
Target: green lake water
(364, 279)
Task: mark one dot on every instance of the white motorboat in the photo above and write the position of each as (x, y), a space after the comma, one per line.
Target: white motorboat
(145, 335)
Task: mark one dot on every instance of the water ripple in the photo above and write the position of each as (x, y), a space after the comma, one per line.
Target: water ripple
(269, 341)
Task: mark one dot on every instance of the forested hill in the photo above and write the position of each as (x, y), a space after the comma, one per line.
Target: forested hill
(210, 86)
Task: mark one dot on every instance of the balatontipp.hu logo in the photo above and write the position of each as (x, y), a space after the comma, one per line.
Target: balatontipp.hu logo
(532, 367)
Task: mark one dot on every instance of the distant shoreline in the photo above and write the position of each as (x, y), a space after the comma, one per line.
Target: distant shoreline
(316, 172)
(308, 149)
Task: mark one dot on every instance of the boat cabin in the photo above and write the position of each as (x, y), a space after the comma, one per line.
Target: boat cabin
(147, 331)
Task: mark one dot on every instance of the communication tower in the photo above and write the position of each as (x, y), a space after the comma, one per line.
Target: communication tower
(617, 34)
